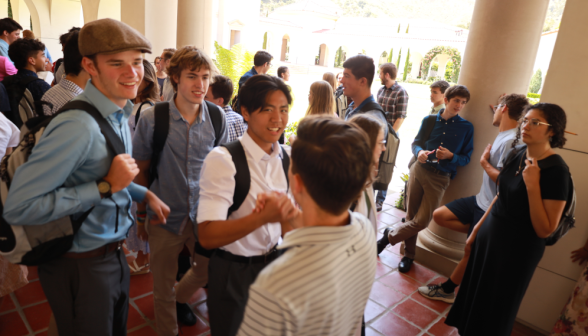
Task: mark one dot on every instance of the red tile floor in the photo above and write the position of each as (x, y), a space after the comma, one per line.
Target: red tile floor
(394, 308)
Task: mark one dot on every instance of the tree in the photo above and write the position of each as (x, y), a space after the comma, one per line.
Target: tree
(233, 62)
(264, 41)
(10, 10)
(406, 65)
(399, 55)
(398, 29)
(339, 57)
(535, 85)
(407, 28)
(390, 55)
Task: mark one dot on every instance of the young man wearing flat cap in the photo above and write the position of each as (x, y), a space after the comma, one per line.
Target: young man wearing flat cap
(72, 170)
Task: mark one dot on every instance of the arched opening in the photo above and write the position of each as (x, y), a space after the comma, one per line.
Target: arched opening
(383, 58)
(341, 56)
(285, 48)
(323, 55)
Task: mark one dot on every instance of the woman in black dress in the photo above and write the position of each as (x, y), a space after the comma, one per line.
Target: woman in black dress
(508, 242)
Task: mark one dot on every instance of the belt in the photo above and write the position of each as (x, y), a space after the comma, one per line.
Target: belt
(272, 255)
(102, 250)
(434, 170)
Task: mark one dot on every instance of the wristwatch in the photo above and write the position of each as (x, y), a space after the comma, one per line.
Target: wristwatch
(104, 188)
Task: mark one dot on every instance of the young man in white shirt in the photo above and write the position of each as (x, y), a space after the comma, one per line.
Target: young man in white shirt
(438, 95)
(244, 241)
(321, 284)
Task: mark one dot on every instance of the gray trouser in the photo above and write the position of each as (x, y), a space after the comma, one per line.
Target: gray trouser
(88, 296)
(228, 291)
(425, 190)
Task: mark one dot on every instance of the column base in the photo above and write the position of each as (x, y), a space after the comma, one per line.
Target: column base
(433, 260)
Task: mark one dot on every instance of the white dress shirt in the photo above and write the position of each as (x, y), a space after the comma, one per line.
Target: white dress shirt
(9, 135)
(217, 186)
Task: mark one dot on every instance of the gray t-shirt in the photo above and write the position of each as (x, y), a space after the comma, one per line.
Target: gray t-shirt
(499, 148)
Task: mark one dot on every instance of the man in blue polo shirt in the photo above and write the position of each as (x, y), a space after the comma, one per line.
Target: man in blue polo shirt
(449, 145)
(71, 170)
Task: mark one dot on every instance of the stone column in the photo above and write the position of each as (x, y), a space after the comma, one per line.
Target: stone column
(500, 52)
(156, 19)
(564, 85)
(416, 65)
(196, 24)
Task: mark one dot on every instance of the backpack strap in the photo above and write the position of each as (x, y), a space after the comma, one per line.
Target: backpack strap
(243, 175)
(160, 132)
(113, 141)
(138, 114)
(216, 117)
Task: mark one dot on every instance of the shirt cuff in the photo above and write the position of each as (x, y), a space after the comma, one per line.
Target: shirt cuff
(137, 192)
(417, 149)
(454, 159)
(88, 194)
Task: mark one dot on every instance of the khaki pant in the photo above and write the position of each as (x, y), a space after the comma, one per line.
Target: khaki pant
(425, 190)
(165, 249)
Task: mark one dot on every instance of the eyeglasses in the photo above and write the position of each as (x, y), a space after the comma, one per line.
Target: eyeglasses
(534, 123)
(496, 107)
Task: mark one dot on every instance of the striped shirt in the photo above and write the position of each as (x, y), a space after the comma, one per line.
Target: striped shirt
(319, 286)
(235, 124)
(60, 94)
(394, 101)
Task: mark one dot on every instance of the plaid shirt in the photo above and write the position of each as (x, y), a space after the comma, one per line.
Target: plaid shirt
(235, 124)
(394, 101)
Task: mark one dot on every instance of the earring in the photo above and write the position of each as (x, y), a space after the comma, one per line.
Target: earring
(550, 138)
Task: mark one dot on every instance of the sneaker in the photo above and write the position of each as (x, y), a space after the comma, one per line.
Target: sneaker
(379, 206)
(436, 292)
(383, 242)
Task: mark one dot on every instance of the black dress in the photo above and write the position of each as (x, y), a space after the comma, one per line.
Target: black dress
(505, 253)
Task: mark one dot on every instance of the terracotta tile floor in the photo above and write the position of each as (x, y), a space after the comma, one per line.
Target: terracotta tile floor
(394, 307)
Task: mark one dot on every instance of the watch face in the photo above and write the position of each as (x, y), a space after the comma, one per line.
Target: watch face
(103, 187)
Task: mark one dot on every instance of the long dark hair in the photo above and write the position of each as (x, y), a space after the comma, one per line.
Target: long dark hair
(555, 116)
(151, 91)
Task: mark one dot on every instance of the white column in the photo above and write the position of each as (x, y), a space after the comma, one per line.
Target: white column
(442, 61)
(156, 19)
(564, 85)
(416, 65)
(195, 24)
(500, 52)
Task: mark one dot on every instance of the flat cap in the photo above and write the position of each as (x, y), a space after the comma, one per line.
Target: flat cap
(108, 36)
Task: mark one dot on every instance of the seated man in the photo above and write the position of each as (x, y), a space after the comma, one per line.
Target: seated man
(321, 284)
(449, 144)
(29, 59)
(463, 214)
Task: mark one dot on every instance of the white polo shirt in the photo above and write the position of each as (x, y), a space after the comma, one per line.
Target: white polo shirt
(217, 186)
(319, 286)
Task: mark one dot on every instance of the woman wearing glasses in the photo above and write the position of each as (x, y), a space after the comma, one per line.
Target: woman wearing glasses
(508, 242)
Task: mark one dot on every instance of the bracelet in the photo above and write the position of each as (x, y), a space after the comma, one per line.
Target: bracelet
(140, 219)
(141, 215)
(141, 212)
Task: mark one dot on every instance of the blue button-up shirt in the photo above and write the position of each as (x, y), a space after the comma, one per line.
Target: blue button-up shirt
(247, 75)
(455, 134)
(59, 179)
(180, 163)
(4, 49)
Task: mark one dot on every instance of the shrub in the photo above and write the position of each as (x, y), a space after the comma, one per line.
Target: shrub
(535, 84)
(533, 95)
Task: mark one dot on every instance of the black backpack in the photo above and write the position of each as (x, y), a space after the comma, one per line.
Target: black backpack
(242, 182)
(568, 218)
(161, 130)
(138, 114)
(22, 105)
(36, 244)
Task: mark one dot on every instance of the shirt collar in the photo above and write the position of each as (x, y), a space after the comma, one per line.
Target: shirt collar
(256, 152)
(228, 109)
(70, 86)
(436, 109)
(392, 87)
(254, 71)
(367, 100)
(321, 235)
(26, 72)
(4, 43)
(105, 105)
(176, 115)
(453, 118)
